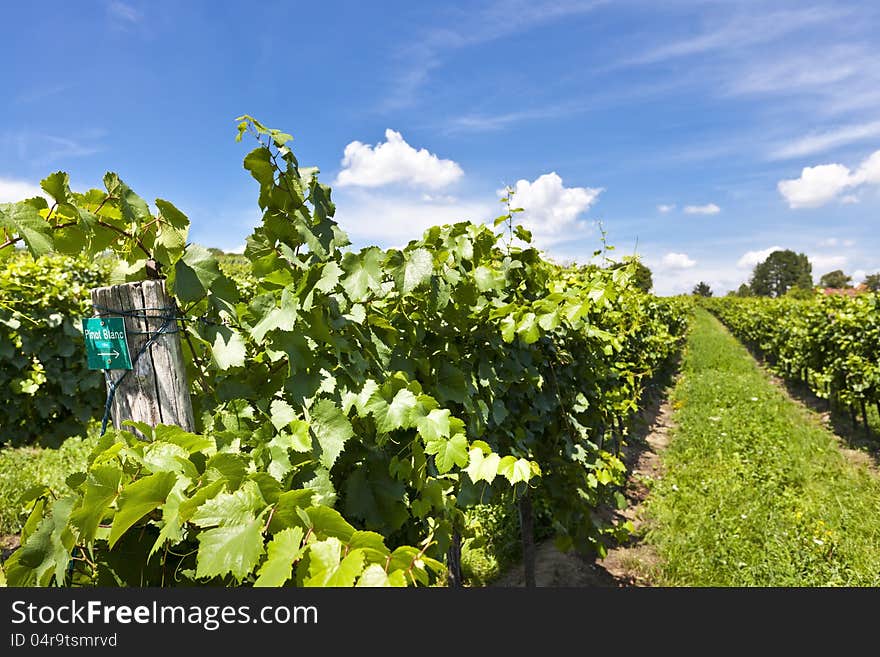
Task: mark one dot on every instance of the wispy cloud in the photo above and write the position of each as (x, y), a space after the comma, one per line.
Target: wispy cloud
(490, 122)
(470, 27)
(801, 69)
(823, 141)
(42, 92)
(123, 12)
(737, 32)
(41, 149)
(709, 208)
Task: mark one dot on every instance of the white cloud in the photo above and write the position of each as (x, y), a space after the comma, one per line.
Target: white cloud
(849, 199)
(551, 210)
(666, 207)
(395, 161)
(720, 278)
(821, 184)
(821, 262)
(824, 263)
(816, 186)
(836, 241)
(817, 143)
(17, 190)
(709, 208)
(859, 275)
(374, 217)
(678, 261)
(751, 258)
(869, 170)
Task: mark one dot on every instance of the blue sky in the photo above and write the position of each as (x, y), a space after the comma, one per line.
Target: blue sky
(701, 134)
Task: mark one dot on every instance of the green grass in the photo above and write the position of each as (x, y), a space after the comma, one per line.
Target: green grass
(23, 467)
(495, 546)
(756, 492)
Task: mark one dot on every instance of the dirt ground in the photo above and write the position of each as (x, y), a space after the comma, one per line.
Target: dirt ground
(8, 544)
(626, 565)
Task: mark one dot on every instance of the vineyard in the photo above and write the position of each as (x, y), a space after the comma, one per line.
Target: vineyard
(352, 408)
(831, 343)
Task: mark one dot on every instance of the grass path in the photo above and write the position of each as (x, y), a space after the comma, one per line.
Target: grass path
(756, 491)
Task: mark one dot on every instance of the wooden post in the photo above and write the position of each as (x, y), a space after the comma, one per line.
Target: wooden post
(527, 534)
(156, 390)
(453, 562)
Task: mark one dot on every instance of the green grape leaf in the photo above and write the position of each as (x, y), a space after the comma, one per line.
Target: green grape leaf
(172, 215)
(46, 552)
(483, 467)
(24, 219)
(515, 470)
(448, 452)
(393, 415)
(195, 273)
(434, 425)
(234, 549)
(285, 514)
(332, 429)
(508, 328)
(417, 270)
(137, 499)
(230, 508)
(374, 575)
(451, 383)
(57, 185)
(528, 328)
(282, 413)
(133, 208)
(101, 488)
(283, 550)
(328, 568)
(362, 273)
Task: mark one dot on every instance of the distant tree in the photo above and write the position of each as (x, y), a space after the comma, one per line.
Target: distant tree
(643, 278)
(744, 290)
(872, 282)
(702, 289)
(781, 271)
(836, 279)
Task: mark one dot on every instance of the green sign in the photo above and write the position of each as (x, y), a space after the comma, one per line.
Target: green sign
(106, 346)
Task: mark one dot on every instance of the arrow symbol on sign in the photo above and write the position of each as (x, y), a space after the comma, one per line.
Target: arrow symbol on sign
(114, 354)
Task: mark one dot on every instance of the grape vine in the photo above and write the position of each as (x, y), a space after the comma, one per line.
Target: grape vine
(351, 405)
(832, 343)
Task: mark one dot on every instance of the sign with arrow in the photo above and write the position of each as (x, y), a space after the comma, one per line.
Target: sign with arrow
(106, 343)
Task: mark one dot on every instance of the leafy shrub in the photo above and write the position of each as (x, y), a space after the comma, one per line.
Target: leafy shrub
(23, 468)
(51, 394)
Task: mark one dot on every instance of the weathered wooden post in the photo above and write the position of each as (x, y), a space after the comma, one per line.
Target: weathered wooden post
(155, 389)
